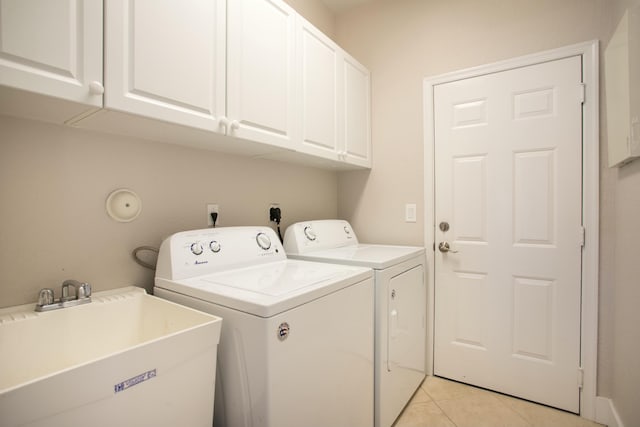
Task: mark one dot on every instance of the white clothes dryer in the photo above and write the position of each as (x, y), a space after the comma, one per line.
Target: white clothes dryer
(296, 346)
(400, 307)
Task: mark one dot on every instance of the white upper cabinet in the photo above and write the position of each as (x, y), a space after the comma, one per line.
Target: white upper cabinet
(51, 48)
(357, 113)
(261, 72)
(189, 72)
(335, 93)
(165, 59)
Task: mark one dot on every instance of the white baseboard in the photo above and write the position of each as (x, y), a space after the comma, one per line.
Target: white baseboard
(606, 413)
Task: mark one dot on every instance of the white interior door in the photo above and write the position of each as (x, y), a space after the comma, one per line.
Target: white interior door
(509, 183)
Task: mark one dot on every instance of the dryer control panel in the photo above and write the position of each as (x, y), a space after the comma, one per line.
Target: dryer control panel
(199, 252)
(304, 237)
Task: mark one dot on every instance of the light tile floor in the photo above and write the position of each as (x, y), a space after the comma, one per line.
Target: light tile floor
(443, 403)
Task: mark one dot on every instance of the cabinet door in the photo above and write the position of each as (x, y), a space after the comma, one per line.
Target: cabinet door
(321, 89)
(53, 48)
(165, 59)
(357, 115)
(261, 71)
(621, 65)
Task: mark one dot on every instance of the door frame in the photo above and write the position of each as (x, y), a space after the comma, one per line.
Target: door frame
(590, 200)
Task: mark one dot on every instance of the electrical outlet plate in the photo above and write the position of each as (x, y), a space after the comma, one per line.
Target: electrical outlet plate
(271, 206)
(212, 207)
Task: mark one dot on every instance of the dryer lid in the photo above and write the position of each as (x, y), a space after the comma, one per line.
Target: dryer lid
(374, 256)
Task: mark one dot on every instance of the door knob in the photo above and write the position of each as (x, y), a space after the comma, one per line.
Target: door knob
(444, 248)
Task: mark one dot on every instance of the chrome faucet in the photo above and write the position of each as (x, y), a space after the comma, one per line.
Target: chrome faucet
(81, 295)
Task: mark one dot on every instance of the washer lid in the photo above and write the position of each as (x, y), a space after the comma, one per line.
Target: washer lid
(266, 290)
(374, 256)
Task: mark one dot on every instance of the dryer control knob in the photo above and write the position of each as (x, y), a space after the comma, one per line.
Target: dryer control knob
(214, 246)
(263, 241)
(309, 233)
(196, 249)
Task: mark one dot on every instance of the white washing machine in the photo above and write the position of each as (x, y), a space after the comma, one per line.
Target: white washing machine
(296, 346)
(400, 311)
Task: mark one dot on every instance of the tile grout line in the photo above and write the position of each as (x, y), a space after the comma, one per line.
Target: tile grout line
(501, 403)
(442, 410)
(509, 408)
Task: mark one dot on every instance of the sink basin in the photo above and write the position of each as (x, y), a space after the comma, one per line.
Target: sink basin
(126, 358)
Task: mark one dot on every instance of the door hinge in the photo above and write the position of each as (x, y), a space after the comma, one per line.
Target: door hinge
(583, 233)
(583, 92)
(580, 377)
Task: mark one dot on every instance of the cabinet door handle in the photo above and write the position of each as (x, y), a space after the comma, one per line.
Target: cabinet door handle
(223, 122)
(96, 88)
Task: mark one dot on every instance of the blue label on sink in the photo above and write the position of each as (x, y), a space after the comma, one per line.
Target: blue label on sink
(134, 381)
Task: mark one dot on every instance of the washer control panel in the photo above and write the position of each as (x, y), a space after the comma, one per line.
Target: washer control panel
(199, 252)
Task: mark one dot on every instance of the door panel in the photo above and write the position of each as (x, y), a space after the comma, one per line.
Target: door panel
(508, 181)
(533, 203)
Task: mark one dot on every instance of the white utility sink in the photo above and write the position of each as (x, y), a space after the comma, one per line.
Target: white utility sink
(126, 358)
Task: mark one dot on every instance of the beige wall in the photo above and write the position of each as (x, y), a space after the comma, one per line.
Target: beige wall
(404, 41)
(54, 182)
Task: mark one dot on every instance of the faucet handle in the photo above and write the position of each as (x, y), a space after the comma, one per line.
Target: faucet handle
(65, 291)
(45, 297)
(84, 290)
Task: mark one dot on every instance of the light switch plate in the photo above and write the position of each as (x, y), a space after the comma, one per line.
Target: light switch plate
(410, 212)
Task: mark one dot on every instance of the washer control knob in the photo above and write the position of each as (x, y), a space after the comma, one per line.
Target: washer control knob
(214, 246)
(263, 241)
(196, 248)
(346, 230)
(309, 233)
